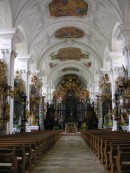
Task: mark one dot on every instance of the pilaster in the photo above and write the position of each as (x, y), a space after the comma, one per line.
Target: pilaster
(8, 55)
(47, 92)
(117, 59)
(22, 64)
(126, 29)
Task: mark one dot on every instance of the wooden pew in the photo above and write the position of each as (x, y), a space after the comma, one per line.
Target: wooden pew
(104, 144)
(8, 160)
(30, 147)
(123, 160)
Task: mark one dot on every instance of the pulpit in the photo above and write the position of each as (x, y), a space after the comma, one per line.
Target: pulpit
(70, 128)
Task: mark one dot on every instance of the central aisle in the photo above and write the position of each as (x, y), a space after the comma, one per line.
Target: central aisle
(70, 155)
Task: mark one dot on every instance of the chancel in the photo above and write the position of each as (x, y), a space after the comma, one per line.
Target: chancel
(64, 86)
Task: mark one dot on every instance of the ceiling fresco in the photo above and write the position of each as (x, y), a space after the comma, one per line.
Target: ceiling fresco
(58, 35)
(69, 32)
(60, 8)
(70, 53)
(70, 69)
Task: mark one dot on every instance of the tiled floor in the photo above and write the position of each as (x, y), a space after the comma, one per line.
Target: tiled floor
(70, 155)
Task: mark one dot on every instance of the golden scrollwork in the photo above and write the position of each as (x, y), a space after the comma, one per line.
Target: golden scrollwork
(19, 86)
(5, 91)
(71, 83)
(105, 87)
(70, 53)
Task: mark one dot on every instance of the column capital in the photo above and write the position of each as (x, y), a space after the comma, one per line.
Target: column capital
(7, 33)
(23, 61)
(103, 69)
(95, 84)
(6, 36)
(5, 51)
(24, 58)
(13, 53)
(117, 58)
(126, 29)
(115, 55)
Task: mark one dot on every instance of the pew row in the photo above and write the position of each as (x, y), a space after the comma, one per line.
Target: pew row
(25, 150)
(107, 146)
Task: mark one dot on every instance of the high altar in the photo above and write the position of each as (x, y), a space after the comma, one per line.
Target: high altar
(70, 128)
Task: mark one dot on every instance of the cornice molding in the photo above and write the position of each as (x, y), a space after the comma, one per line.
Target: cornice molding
(7, 32)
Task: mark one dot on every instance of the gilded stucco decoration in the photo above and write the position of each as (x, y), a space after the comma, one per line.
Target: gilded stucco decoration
(3, 78)
(19, 86)
(60, 8)
(70, 69)
(35, 100)
(122, 85)
(5, 91)
(104, 99)
(69, 32)
(71, 83)
(105, 87)
(35, 86)
(70, 53)
(19, 90)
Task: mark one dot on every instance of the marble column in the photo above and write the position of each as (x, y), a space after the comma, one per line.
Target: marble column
(9, 58)
(100, 107)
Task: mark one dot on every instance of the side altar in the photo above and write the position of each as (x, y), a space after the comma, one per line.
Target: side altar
(70, 128)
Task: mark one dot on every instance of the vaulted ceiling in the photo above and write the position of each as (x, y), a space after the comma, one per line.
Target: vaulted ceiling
(56, 32)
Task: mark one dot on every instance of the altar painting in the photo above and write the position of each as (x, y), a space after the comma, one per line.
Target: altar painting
(34, 113)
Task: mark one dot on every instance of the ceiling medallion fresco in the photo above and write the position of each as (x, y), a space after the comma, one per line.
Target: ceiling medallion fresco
(70, 69)
(71, 83)
(69, 32)
(70, 53)
(60, 8)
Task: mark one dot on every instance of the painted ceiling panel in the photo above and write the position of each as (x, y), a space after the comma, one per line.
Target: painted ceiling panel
(60, 8)
(69, 32)
(70, 69)
(69, 53)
